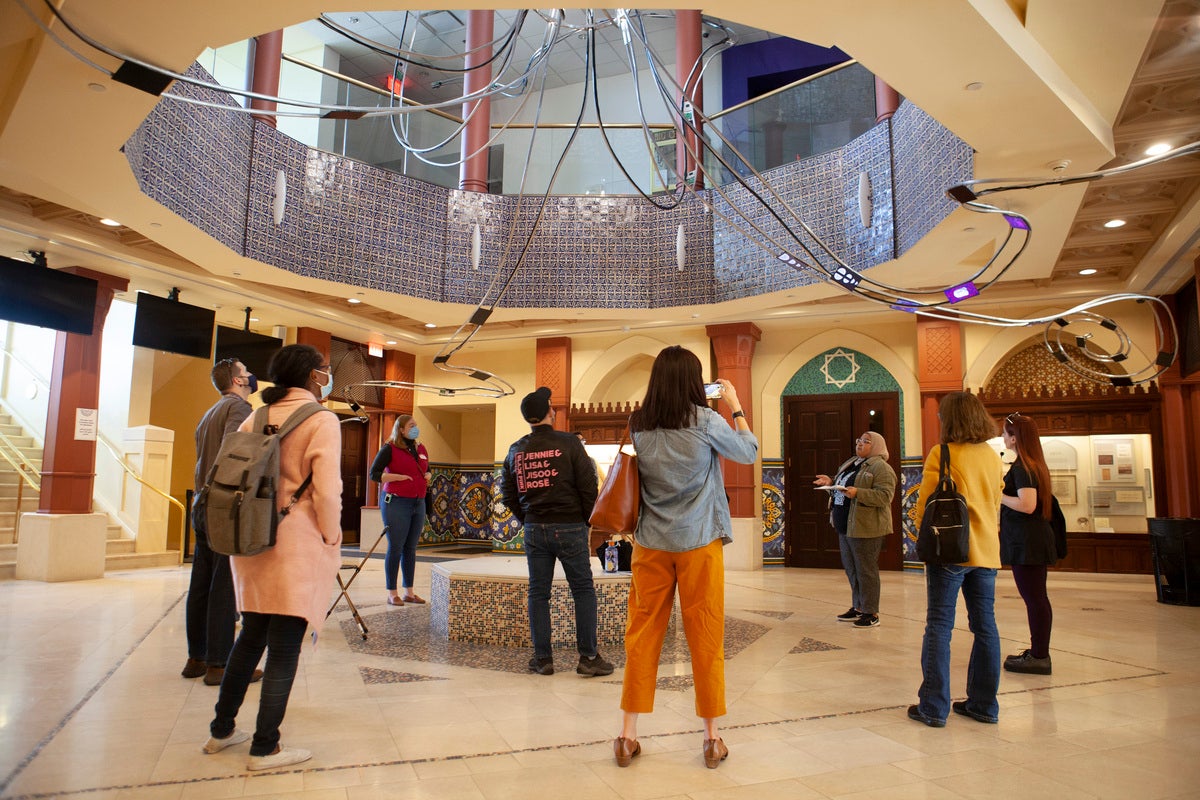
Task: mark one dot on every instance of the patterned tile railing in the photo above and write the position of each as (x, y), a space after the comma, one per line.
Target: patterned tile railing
(358, 225)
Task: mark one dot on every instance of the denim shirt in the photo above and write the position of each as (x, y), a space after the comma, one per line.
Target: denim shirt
(684, 506)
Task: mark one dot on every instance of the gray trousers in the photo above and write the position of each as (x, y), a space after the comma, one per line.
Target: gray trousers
(860, 558)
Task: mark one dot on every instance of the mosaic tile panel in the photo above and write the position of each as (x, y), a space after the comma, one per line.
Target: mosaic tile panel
(807, 645)
(506, 533)
(371, 676)
(772, 510)
(440, 523)
(406, 634)
(928, 160)
(910, 480)
(1033, 367)
(494, 611)
(359, 225)
(195, 160)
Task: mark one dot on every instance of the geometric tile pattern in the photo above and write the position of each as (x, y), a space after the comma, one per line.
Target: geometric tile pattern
(910, 482)
(359, 225)
(928, 160)
(406, 634)
(807, 645)
(371, 675)
(772, 511)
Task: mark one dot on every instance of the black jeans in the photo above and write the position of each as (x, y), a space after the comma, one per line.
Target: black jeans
(211, 609)
(281, 636)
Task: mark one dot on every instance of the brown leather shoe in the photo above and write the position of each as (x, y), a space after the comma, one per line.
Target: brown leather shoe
(412, 598)
(215, 675)
(194, 668)
(715, 752)
(625, 750)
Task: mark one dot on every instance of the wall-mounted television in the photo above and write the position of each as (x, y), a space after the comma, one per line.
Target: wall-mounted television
(47, 298)
(252, 349)
(175, 327)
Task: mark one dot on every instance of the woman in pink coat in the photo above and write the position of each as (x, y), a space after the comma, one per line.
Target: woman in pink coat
(283, 590)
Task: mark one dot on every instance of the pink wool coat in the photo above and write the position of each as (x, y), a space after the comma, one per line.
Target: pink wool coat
(296, 576)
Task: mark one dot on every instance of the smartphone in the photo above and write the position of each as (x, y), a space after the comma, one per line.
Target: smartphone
(712, 390)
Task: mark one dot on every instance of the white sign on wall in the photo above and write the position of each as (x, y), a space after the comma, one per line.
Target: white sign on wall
(86, 421)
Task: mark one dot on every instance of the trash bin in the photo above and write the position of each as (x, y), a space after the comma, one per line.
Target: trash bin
(1175, 548)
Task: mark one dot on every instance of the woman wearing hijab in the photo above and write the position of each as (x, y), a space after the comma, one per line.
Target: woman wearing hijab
(861, 513)
(402, 466)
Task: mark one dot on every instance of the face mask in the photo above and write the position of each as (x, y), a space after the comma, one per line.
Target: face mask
(413, 433)
(327, 389)
(252, 382)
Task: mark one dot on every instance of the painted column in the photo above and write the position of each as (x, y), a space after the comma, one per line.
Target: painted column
(733, 348)
(1181, 434)
(554, 370)
(940, 370)
(64, 540)
(473, 173)
(687, 53)
(268, 50)
(887, 100)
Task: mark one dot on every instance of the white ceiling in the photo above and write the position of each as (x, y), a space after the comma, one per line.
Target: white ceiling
(1088, 82)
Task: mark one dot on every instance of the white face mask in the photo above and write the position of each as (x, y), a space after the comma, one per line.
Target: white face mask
(327, 388)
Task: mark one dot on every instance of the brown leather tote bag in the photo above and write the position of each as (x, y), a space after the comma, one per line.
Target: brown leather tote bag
(617, 505)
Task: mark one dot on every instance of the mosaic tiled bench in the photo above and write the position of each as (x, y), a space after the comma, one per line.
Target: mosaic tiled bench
(483, 600)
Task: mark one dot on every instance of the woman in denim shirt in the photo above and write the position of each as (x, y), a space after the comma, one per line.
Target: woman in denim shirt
(683, 526)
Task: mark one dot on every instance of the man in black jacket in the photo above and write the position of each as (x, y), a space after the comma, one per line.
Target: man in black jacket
(549, 483)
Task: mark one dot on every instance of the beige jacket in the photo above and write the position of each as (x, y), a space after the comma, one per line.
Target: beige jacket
(296, 576)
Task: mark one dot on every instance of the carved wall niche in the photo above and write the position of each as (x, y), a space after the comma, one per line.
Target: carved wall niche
(602, 424)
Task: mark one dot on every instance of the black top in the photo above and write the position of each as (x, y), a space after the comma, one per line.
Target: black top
(839, 514)
(1025, 539)
(549, 478)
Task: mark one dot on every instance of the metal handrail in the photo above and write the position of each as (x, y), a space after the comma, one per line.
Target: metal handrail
(25, 470)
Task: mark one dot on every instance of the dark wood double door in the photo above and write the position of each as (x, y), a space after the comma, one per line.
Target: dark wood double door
(818, 435)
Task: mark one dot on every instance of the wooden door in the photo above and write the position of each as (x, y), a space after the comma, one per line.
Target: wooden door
(819, 434)
(354, 477)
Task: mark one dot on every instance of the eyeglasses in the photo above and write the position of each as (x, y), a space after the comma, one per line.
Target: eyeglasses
(1011, 418)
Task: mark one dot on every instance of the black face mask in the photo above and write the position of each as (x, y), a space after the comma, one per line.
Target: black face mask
(253, 382)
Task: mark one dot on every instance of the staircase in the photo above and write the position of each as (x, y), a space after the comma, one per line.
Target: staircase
(119, 552)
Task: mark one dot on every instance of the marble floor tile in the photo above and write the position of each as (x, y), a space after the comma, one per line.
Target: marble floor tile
(92, 706)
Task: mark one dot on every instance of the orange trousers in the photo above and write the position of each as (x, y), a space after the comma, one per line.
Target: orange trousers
(700, 576)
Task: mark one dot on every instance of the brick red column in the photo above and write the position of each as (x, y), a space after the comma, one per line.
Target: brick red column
(940, 370)
(1181, 433)
(69, 464)
(473, 174)
(687, 51)
(268, 51)
(554, 370)
(733, 345)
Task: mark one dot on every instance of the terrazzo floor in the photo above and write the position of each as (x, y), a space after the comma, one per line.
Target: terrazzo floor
(92, 704)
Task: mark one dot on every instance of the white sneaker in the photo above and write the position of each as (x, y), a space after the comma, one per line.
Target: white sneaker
(286, 756)
(214, 745)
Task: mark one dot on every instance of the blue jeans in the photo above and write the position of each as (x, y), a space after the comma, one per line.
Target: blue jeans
(211, 609)
(568, 543)
(405, 519)
(281, 636)
(978, 585)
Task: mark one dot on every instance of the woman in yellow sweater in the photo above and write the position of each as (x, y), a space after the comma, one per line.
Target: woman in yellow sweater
(977, 470)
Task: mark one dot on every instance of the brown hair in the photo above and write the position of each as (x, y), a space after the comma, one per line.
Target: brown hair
(397, 439)
(1029, 453)
(964, 419)
(222, 374)
(675, 390)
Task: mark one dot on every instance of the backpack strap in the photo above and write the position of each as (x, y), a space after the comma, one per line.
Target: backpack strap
(290, 424)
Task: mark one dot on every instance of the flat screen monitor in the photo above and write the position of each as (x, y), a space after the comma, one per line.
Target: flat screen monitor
(175, 327)
(252, 349)
(45, 297)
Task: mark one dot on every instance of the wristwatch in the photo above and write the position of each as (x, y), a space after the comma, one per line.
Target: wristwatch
(737, 414)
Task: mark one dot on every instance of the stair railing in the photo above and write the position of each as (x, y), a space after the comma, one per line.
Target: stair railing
(27, 473)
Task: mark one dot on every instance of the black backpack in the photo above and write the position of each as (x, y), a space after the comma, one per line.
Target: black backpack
(945, 534)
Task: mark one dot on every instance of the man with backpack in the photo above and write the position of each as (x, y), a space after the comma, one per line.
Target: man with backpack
(211, 611)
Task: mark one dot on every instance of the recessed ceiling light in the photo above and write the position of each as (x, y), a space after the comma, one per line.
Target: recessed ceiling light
(112, 223)
(254, 319)
(353, 300)
(390, 341)
(1157, 149)
(974, 86)
(97, 87)
(1088, 271)
(430, 324)
(1114, 223)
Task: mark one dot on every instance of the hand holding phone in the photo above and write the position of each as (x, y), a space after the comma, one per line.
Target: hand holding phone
(712, 390)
